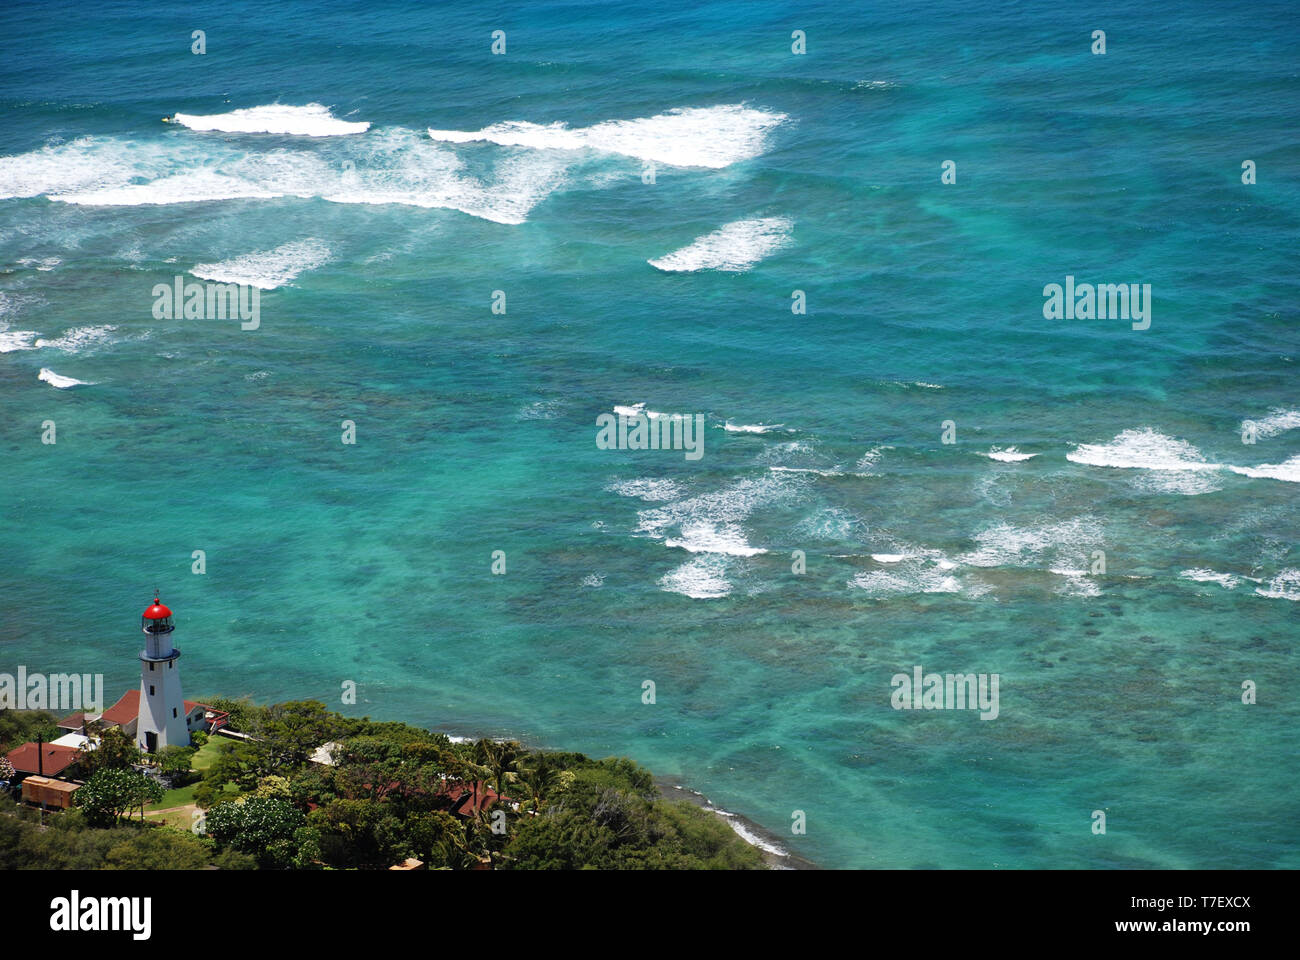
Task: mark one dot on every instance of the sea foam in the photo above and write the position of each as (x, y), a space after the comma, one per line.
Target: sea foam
(312, 120)
(79, 338)
(703, 578)
(733, 248)
(1178, 467)
(59, 381)
(1009, 455)
(1279, 420)
(267, 269)
(386, 167)
(1284, 586)
(1289, 470)
(712, 137)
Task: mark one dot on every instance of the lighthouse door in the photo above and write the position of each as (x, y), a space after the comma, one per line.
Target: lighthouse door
(151, 741)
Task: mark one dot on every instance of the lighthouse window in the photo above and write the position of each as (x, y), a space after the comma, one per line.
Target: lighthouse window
(151, 665)
(173, 711)
(151, 690)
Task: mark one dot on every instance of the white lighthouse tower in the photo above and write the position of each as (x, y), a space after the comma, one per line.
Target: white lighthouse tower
(162, 708)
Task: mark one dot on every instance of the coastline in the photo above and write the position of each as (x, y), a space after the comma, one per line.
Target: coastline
(775, 854)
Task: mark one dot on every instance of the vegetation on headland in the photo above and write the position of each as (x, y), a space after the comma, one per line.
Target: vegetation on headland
(390, 793)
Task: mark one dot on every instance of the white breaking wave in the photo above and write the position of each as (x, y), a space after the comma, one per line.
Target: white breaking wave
(734, 248)
(1009, 455)
(751, 838)
(889, 557)
(1290, 470)
(1285, 586)
(11, 340)
(820, 473)
(650, 489)
(1175, 463)
(388, 167)
(870, 459)
(312, 120)
(916, 577)
(711, 522)
(703, 536)
(79, 338)
(1069, 542)
(712, 137)
(1143, 449)
(703, 578)
(267, 269)
(1203, 575)
(59, 381)
(750, 427)
(1279, 420)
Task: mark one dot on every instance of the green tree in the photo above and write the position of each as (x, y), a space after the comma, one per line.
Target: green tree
(259, 826)
(538, 779)
(114, 750)
(500, 759)
(111, 793)
(232, 765)
(288, 733)
(20, 726)
(175, 761)
(159, 848)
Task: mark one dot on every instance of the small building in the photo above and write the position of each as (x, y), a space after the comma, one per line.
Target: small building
(47, 759)
(410, 863)
(49, 792)
(471, 798)
(324, 754)
(76, 722)
(76, 741)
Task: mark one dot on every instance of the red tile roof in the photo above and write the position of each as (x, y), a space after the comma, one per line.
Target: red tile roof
(125, 710)
(54, 758)
(72, 721)
(477, 796)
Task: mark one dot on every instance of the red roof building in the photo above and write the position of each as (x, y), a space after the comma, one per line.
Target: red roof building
(50, 761)
(73, 723)
(125, 711)
(469, 799)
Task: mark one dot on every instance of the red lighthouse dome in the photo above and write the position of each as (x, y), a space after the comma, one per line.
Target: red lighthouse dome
(157, 619)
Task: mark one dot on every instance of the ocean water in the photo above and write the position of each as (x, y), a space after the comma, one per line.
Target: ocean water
(378, 173)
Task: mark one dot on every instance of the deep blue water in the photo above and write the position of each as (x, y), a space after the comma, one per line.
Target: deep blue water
(380, 250)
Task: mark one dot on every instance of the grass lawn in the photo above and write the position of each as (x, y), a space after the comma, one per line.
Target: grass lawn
(208, 753)
(181, 819)
(203, 758)
(174, 798)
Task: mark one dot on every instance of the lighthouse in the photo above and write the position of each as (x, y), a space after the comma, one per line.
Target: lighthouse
(162, 708)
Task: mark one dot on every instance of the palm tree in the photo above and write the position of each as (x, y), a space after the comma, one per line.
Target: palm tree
(501, 758)
(538, 780)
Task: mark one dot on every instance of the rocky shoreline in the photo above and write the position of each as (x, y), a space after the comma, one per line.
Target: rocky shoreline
(776, 854)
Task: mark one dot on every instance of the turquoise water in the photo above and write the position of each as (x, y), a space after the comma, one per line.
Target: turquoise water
(371, 562)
